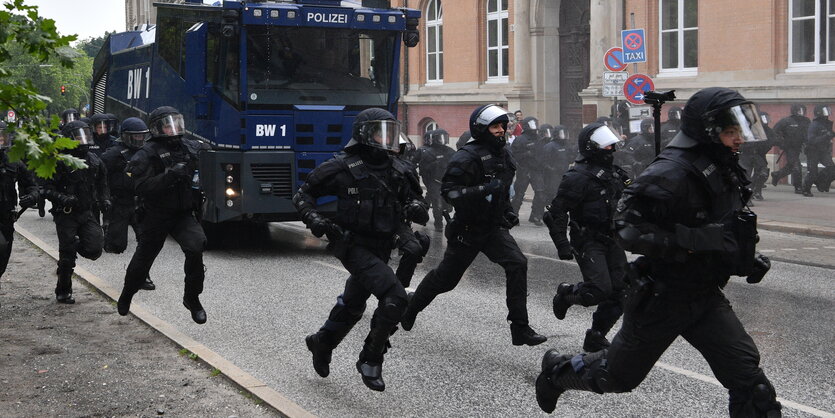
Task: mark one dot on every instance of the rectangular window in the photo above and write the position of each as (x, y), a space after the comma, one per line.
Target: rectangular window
(434, 42)
(679, 47)
(811, 33)
(497, 40)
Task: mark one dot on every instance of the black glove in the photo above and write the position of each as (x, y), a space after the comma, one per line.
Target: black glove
(318, 224)
(762, 265)
(510, 219)
(493, 186)
(416, 212)
(180, 171)
(106, 205)
(68, 201)
(28, 200)
(565, 251)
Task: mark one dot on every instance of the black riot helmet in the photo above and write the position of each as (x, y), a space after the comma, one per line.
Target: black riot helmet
(438, 137)
(798, 110)
(134, 133)
(822, 111)
(486, 116)
(648, 126)
(69, 115)
(530, 124)
(101, 125)
(709, 111)
(560, 133)
(405, 145)
(166, 122)
(5, 140)
(113, 121)
(674, 113)
(462, 140)
(597, 143)
(376, 128)
(546, 132)
(79, 132)
(427, 138)
(764, 118)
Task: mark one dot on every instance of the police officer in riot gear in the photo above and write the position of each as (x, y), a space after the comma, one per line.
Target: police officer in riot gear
(432, 162)
(75, 195)
(162, 172)
(376, 193)
(752, 158)
(587, 197)
(68, 116)
(639, 151)
(410, 254)
(102, 125)
(123, 213)
(477, 184)
(792, 131)
(557, 157)
(11, 175)
(819, 151)
(671, 127)
(526, 149)
(685, 215)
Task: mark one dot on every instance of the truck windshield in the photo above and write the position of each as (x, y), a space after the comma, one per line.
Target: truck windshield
(287, 65)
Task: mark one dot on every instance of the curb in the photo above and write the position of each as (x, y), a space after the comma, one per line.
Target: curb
(801, 229)
(244, 380)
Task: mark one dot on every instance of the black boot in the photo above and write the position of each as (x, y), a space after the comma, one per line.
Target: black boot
(370, 363)
(808, 193)
(148, 284)
(595, 341)
(564, 298)
(192, 303)
(558, 375)
(63, 288)
(407, 321)
(123, 304)
(322, 344)
(525, 335)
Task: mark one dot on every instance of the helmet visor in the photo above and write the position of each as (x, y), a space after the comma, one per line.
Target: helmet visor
(603, 137)
(383, 134)
(5, 141)
(675, 114)
(765, 119)
(532, 124)
(84, 135)
(101, 127)
(439, 138)
(169, 125)
(490, 113)
(562, 134)
(135, 139)
(70, 117)
(825, 111)
(747, 118)
(548, 133)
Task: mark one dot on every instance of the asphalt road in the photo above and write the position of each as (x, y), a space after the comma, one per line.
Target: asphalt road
(267, 291)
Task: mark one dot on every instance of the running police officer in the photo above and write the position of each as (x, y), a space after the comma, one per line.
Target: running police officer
(405, 238)
(375, 193)
(685, 215)
(477, 184)
(12, 174)
(432, 162)
(641, 148)
(671, 127)
(587, 197)
(819, 150)
(162, 172)
(557, 158)
(75, 195)
(792, 132)
(124, 210)
(526, 149)
(752, 158)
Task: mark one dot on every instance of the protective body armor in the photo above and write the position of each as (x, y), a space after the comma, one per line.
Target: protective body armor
(820, 133)
(157, 189)
(11, 173)
(525, 148)
(592, 193)
(792, 129)
(116, 159)
(88, 185)
(433, 161)
(473, 165)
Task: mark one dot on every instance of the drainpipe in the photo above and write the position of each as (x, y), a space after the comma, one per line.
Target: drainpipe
(406, 81)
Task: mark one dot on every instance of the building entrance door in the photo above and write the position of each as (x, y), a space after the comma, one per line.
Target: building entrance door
(574, 33)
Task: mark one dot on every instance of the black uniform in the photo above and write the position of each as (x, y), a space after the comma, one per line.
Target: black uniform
(819, 151)
(432, 161)
(670, 128)
(476, 183)
(792, 131)
(123, 213)
(752, 159)
(162, 172)
(11, 175)
(375, 194)
(586, 199)
(684, 214)
(557, 157)
(526, 149)
(639, 151)
(75, 195)
(405, 238)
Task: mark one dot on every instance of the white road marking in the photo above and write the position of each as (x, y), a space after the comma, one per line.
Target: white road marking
(810, 248)
(789, 249)
(829, 247)
(768, 251)
(333, 266)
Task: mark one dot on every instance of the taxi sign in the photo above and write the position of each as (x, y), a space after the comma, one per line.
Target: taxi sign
(634, 46)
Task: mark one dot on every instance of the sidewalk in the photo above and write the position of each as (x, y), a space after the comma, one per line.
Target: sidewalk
(784, 211)
(86, 360)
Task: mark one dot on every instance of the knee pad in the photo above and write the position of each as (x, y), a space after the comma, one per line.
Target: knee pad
(392, 308)
(591, 295)
(346, 313)
(424, 242)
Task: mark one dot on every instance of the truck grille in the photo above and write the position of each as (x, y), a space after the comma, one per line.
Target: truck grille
(277, 175)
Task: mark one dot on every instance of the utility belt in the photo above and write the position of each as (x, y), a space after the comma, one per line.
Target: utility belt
(339, 246)
(591, 234)
(467, 234)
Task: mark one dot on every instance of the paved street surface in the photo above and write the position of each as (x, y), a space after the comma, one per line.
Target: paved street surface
(265, 293)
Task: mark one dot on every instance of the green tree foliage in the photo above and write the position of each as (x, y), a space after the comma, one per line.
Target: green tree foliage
(91, 46)
(31, 40)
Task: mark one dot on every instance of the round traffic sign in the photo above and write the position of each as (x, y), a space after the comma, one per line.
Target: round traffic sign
(633, 41)
(10, 116)
(635, 86)
(613, 59)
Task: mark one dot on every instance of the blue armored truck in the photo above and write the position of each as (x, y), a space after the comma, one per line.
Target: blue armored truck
(272, 86)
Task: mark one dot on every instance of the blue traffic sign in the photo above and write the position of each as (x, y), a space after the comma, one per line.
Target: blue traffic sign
(613, 59)
(634, 46)
(635, 86)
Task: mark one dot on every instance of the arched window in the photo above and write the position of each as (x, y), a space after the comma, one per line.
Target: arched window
(497, 40)
(434, 41)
